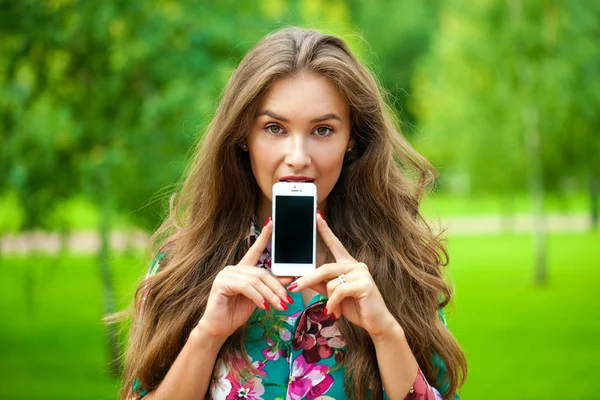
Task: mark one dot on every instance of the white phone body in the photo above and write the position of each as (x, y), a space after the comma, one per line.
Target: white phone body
(294, 237)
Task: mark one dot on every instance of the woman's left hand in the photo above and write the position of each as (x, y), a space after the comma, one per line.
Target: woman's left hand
(358, 299)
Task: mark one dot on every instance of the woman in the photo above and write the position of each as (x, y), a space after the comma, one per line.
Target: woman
(368, 323)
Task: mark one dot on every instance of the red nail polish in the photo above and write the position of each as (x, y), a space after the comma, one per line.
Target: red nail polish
(289, 299)
(266, 305)
(285, 307)
(267, 223)
(325, 310)
(293, 286)
(321, 214)
(334, 317)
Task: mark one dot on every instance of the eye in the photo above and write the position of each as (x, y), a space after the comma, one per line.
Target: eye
(323, 131)
(274, 129)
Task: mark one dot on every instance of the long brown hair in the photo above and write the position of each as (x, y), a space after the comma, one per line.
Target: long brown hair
(373, 209)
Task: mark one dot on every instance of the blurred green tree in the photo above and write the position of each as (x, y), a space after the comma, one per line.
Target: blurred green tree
(95, 95)
(505, 97)
(106, 99)
(399, 35)
(470, 92)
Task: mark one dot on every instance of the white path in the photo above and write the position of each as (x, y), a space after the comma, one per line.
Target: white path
(88, 241)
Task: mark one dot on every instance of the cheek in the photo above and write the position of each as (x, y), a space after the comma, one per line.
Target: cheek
(263, 163)
(329, 162)
(330, 167)
(263, 160)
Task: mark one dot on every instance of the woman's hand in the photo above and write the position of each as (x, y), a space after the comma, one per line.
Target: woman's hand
(358, 299)
(239, 289)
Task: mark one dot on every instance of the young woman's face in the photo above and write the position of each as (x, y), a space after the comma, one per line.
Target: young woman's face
(302, 129)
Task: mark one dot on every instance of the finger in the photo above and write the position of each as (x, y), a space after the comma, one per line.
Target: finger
(257, 249)
(285, 280)
(341, 292)
(270, 281)
(264, 290)
(332, 242)
(228, 285)
(331, 286)
(324, 273)
(321, 288)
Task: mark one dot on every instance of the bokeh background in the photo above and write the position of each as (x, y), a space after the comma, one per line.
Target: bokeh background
(101, 101)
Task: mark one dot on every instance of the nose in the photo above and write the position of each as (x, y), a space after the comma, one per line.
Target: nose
(297, 156)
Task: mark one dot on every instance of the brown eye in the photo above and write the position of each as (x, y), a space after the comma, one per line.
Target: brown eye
(274, 129)
(323, 131)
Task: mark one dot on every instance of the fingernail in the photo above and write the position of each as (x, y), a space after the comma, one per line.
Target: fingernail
(292, 286)
(266, 305)
(334, 317)
(321, 214)
(285, 307)
(289, 299)
(325, 310)
(267, 223)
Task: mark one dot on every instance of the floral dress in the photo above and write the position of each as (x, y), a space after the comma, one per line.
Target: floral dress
(296, 354)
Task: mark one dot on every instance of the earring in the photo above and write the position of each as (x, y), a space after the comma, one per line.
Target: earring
(349, 149)
(244, 146)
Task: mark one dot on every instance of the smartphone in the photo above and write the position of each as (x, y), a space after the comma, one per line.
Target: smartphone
(294, 238)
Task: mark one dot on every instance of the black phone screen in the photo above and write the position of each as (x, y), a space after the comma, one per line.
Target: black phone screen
(294, 219)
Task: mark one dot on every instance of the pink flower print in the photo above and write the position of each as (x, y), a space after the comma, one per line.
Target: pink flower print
(265, 260)
(252, 389)
(310, 338)
(333, 336)
(271, 353)
(308, 380)
(291, 319)
(260, 367)
(422, 389)
(285, 334)
(220, 385)
(319, 351)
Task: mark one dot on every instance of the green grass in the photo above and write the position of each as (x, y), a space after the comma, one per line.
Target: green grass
(522, 341)
(525, 341)
(51, 336)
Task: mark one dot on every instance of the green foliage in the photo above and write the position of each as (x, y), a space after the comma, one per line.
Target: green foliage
(493, 63)
(107, 98)
(121, 86)
(399, 35)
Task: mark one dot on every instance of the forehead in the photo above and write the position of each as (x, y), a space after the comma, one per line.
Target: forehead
(304, 96)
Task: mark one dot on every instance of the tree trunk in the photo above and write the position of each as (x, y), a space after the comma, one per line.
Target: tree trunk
(594, 189)
(103, 197)
(536, 185)
(529, 117)
(508, 214)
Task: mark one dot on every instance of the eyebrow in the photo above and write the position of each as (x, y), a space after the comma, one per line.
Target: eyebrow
(312, 121)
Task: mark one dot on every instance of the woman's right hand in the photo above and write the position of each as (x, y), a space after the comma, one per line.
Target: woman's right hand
(239, 289)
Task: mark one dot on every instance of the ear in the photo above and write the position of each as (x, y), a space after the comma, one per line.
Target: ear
(351, 143)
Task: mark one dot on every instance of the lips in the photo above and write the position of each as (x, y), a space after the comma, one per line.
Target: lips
(294, 178)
